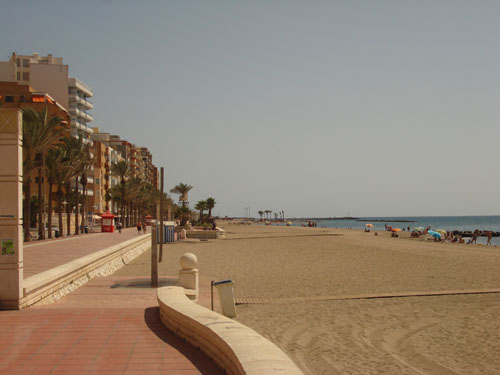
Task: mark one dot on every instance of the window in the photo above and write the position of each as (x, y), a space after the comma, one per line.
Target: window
(26, 63)
(18, 76)
(9, 99)
(26, 76)
(18, 63)
(97, 181)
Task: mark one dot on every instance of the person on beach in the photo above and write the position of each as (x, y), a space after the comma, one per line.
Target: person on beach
(474, 237)
(139, 227)
(489, 238)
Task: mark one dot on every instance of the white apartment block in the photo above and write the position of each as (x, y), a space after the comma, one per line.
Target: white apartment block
(49, 74)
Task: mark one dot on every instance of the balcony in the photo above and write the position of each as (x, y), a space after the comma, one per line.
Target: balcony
(87, 104)
(79, 85)
(77, 124)
(78, 99)
(88, 117)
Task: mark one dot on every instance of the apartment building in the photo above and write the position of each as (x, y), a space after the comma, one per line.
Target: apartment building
(49, 74)
(104, 179)
(139, 158)
(15, 95)
(147, 164)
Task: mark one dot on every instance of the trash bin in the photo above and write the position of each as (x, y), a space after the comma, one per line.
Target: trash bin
(56, 233)
(226, 297)
(86, 228)
(168, 234)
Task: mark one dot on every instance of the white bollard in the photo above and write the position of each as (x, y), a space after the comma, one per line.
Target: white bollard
(226, 297)
(188, 275)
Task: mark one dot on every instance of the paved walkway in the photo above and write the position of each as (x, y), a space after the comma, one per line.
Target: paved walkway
(41, 256)
(109, 326)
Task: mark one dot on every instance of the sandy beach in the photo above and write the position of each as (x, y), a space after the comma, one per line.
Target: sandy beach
(347, 302)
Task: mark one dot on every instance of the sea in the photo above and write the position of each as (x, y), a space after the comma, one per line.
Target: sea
(448, 223)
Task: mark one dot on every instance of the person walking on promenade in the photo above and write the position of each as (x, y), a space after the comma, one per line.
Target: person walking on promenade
(144, 227)
(139, 227)
(119, 226)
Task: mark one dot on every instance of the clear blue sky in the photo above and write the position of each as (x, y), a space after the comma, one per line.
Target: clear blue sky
(312, 107)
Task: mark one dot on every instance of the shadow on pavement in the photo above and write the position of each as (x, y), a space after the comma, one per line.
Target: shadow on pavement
(203, 363)
(143, 283)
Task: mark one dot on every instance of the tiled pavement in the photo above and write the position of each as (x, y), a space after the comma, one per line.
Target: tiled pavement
(94, 341)
(40, 256)
(109, 326)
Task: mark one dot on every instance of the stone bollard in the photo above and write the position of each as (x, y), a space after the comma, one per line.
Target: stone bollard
(188, 275)
(183, 234)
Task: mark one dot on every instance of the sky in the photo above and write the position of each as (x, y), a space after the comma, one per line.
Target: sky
(317, 108)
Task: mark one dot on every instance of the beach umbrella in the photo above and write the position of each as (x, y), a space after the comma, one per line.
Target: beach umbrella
(369, 225)
(434, 234)
(418, 229)
(396, 230)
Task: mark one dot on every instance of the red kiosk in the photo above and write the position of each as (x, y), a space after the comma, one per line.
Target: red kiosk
(108, 222)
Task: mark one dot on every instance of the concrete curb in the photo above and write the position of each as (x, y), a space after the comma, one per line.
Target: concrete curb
(237, 349)
(51, 285)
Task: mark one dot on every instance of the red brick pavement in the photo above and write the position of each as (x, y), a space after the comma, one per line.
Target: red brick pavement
(110, 326)
(44, 255)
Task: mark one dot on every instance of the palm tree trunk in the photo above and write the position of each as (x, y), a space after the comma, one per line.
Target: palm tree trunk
(59, 210)
(67, 187)
(49, 213)
(84, 207)
(26, 210)
(86, 203)
(122, 202)
(41, 229)
(77, 201)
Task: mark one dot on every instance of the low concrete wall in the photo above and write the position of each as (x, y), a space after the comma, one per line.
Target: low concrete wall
(234, 347)
(51, 285)
(203, 234)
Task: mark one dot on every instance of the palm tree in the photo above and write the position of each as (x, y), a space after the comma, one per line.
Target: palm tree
(86, 163)
(210, 205)
(268, 214)
(121, 169)
(39, 134)
(183, 213)
(202, 206)
(79, 154)
(63, 176)
(133, 189)
(182, 190)
(53, 164)
(260, 214)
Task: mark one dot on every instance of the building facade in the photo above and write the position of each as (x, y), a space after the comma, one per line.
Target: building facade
(49, 74)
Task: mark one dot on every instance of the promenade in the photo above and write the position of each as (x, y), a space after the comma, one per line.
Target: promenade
(109, 326)
(41, 256)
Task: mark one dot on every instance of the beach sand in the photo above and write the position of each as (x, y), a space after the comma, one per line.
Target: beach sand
(313, 292)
